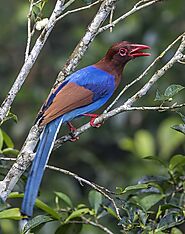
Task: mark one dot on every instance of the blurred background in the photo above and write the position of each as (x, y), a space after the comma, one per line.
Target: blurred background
(111, 156)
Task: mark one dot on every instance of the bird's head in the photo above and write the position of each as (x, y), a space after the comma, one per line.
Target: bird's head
(124, 51)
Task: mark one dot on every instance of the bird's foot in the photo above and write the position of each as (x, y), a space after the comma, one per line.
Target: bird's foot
(72, 130)
(93, 117)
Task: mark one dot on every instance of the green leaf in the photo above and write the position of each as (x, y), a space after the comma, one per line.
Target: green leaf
(47, 209)
(156, 159)
(69, 228)
(11, 116)
(135, 187)
(150, 200)
(144, 143)
(41, 205)
(176, 161)
(176, 231)
(77, 214)
(169, 93)
(181, 115)
(13, 213)
(173, 90)
(65, 198)
(1, 139)
(111, 211)
(36, 222)
(95, 200)
(159, 96)
(179, 128)
(10, 151)
(16, 195)
(170, 220)
(8, 141)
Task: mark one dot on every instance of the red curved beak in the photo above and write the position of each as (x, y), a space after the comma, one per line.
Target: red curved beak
(136, 50)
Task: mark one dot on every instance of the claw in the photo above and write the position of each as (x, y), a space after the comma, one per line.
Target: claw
(72, 130)
(93, 117)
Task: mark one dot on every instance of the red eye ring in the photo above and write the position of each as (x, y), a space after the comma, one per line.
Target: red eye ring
(122, 51)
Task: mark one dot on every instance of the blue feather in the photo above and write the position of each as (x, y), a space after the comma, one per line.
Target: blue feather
(42, 155)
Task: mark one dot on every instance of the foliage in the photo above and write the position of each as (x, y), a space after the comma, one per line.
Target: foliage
(154, 205)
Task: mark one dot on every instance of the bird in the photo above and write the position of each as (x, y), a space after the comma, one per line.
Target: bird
(80, 94)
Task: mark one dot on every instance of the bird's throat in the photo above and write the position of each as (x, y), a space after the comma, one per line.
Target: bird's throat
(112, 67)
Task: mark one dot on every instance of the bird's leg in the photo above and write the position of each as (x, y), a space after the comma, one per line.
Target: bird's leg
(72, 130)
(93, 117)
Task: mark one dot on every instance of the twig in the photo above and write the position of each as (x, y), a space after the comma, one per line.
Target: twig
(111, 17)
(96, 187)
(138, 6)
(156, 108)
(29, 31)
(78, 9)
(68, 3)
(96, 224)
(144, 73)
(37, 2)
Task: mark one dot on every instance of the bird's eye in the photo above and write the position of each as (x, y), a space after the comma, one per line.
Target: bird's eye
(122, 51)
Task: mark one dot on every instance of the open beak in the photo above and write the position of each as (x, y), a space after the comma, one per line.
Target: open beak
(136, 50)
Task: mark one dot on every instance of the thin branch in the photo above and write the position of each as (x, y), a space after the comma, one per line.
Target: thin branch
(37, 2)
(88, 221)
(78, 9)
(111, 17)
(96, 187)
(68, 3)
(29, 31)
(138, 6)
(144, 73)
(156, 108)
(6, 158)
(96, 224)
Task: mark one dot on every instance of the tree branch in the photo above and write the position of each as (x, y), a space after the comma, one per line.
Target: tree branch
(157, 108)
(96, 224)
(78, 9)
(138, 6)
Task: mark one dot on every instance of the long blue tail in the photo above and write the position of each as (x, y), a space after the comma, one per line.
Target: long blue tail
(37, 169)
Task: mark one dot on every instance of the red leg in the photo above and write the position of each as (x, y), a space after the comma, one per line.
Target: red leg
(93, 117)
(72, 130)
